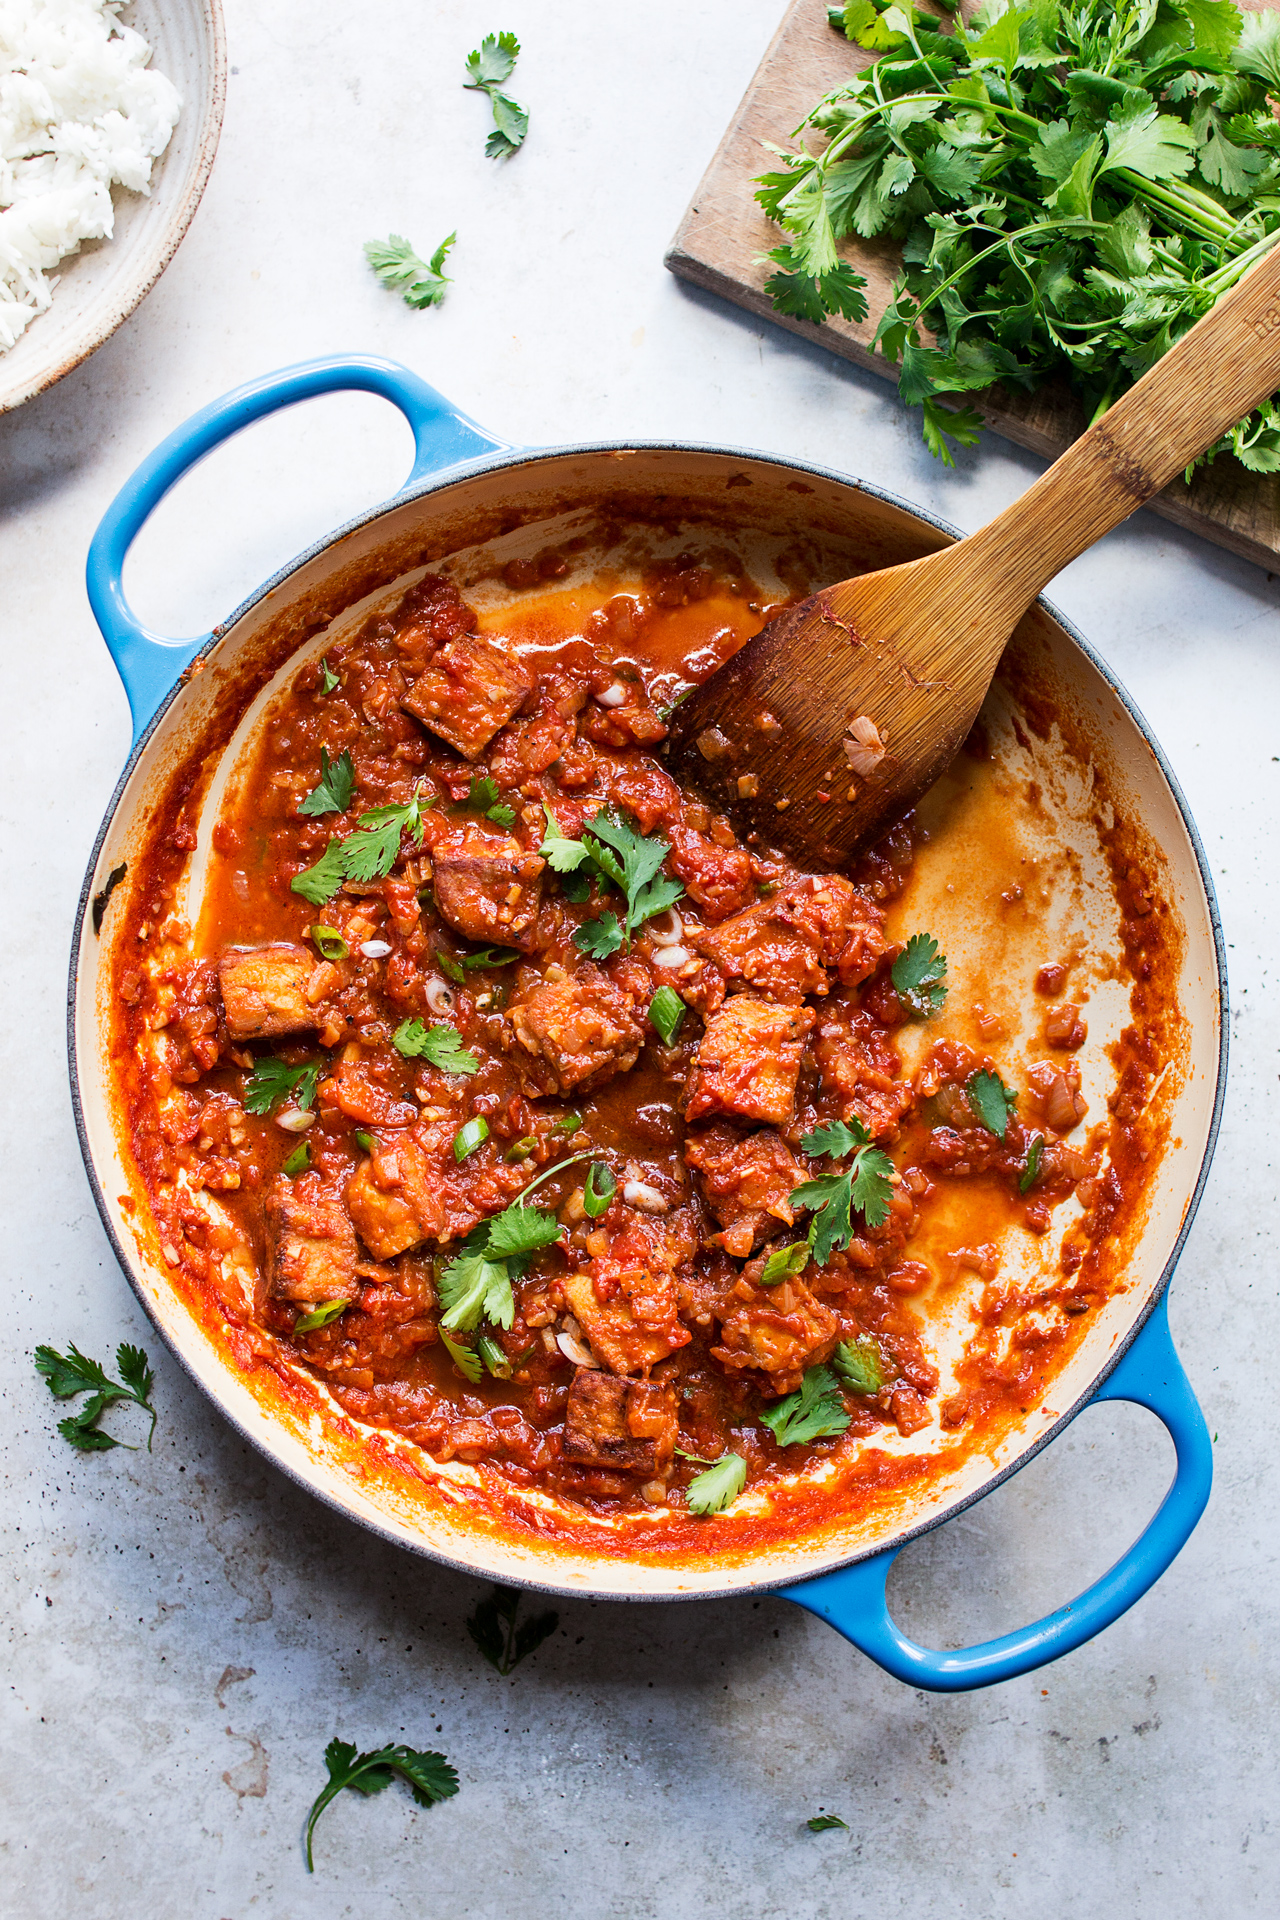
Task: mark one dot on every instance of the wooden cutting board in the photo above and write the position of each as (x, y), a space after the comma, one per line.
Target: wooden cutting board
(724, 231)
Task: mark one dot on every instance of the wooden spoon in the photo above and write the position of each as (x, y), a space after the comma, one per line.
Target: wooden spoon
(906, 655)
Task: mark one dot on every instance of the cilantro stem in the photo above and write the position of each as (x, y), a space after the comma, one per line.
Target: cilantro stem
(546, 1174)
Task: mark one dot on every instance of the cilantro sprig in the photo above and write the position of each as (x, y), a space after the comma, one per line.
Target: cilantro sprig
(367, 854)
(626, 859)
(1072, 189)
(71, 1373)
(336, 786)
(815, 1411)
(476, 1284)
(503, 1643)
(864, 1187)
(491, 63)
(274, 1081)
(429, 1776)
(421, 283)
(919, 976)
(440, 1046)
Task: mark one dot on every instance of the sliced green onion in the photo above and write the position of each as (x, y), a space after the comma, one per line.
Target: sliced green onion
(454, 969)
(521, 1150)
(568, 1123)
(468, 1138)
(320, 1316)
(1035, 1153)
(783, 1262)
(330, 942)
(599, 1190)
(861, 1365)
(298, 1162)
(493, 1356)
(666, 1011)
(366, 1140)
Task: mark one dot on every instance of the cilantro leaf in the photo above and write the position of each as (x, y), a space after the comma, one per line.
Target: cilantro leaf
(836, 1138)
(329, 681)
(632, 862)
(784, 1263)
(274, 1081)
(465, 1358)
(521, 1230)
(600, 937)
(493, 61)
(473, 1286)
(69, 1374)
(510, 125)
(919, 974)
(561, 854)
(372, 851)
(319, 883)
(421, 282)
(861, 1365)
(814, 1412)
(808, 296)
(992, 1102)
(440, 1045)
(428, 1774)
(483, 798)
(825, 1822)
(337, 785)
(717, 1488)
(504, 1644)
(320, 1316)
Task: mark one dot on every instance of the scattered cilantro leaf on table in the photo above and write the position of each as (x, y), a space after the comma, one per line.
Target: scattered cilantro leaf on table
(815, 1411)
(72, 1373)
(491, 63)
(833, 1198)
(717, 1488)
(421, 283)
(992, 1102)
(440, 1046)
(919, 975)
(428, 1774)
(274, 1081)
(336, 787)
(494, 1629)
(1071, 189)
(824, 1822)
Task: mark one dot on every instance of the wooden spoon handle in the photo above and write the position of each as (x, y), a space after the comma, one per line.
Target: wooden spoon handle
(1216, 374)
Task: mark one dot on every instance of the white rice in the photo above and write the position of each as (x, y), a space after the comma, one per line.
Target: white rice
(80, 112)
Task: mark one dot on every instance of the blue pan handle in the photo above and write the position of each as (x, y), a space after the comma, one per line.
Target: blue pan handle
(150, 663)
(853, 1599)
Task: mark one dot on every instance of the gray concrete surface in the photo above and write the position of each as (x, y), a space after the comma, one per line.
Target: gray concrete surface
(184, 1630)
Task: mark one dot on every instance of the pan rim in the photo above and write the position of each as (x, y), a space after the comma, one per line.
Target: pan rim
(511, 460)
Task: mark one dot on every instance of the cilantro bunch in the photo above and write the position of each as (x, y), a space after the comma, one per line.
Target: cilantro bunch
(1072, 188)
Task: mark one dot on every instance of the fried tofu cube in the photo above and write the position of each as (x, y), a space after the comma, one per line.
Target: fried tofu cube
(489, 890)
(311, 1243)
(574, 1033)
(788, 946)
(780, 1331)
(396, 1199)
(628, 1426)
(470, 689)
(614, 1333)
(263, 990)
(748, 1061)
(746, 1180)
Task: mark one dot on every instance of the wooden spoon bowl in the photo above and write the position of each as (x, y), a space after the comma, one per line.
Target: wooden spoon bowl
(837, 716)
